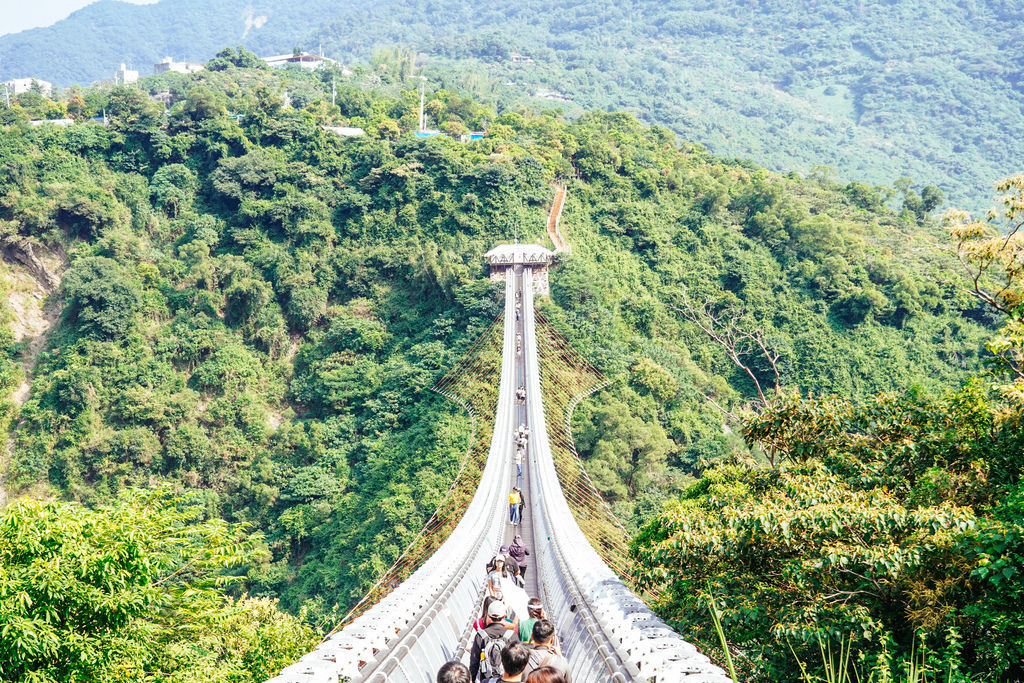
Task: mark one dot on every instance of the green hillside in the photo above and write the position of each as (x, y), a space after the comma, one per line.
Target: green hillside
(877, 90)
(252, 308)
(89, 45)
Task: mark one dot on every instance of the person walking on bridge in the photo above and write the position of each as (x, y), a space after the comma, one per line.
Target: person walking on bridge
(535, 612)
(514, 659)
(518, 552)
(514, 507)
(545, 650)
(495, 576)
(485, 655)
(453, 672)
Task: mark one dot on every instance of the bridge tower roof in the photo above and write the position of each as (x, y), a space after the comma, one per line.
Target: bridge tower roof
(519, 254)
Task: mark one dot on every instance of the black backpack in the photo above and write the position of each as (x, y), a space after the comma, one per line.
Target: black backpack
(490, 654)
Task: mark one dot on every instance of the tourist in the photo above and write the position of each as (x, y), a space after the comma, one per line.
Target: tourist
(494, 577)
(488, 643)
(514, 658)
(518, 551)
(515, 500)
(545, 650)
(535, 612)
(546, 674)
(453, 672)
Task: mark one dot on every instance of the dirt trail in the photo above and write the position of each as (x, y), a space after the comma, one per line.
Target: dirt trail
(554, 217)
(33, 314)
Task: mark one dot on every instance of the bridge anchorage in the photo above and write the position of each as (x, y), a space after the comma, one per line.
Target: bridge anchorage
(606, 632)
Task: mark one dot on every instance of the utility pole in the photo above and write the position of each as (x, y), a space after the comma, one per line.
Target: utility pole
(422, 123)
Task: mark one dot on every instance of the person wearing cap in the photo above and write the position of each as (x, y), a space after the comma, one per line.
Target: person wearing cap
(495, 630)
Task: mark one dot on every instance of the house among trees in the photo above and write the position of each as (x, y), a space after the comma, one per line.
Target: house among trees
(16, 86)
(124, 75)
(346, 131)
(551, 95)
(306, 60)
(505, 256)
(517, 58)
(167, 64)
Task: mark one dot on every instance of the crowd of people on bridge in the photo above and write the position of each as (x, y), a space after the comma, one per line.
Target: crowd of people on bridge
(506, 647)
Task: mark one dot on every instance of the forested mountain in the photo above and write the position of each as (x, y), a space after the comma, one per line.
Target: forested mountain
(877, 90)
(252, 308)
(89, 44)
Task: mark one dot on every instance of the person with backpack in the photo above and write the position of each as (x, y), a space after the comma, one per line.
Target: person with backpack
(485, 655)
(545, 650)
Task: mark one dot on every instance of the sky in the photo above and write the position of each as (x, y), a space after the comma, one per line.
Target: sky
(19, 15)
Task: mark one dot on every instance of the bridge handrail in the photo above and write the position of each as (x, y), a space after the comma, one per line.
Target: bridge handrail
(601, 620)
(412, 631)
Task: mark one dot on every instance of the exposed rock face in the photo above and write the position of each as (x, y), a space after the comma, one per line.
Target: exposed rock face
(22, 250)
(33, 276)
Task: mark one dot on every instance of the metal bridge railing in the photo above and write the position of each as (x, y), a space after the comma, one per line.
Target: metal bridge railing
(608, 633)
(411, 632)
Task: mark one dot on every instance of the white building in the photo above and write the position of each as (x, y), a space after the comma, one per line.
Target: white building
(124, 75)
(346, 131)
(167, 64)
(63, 123)
(16, 86)
(306, 60)
(552, 95)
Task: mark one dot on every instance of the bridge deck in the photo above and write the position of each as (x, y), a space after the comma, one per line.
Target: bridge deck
(525, 529)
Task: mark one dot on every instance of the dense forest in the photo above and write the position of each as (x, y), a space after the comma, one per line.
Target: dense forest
(877, 90)
(251, 308)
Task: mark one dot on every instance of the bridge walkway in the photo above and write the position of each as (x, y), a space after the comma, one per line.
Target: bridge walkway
(525, 529)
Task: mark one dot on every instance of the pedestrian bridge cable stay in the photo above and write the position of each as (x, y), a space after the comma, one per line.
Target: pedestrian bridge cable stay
(417, 624)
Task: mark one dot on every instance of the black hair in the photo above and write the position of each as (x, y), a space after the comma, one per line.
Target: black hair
(487, 603)
(453, 672)
(534, 607)
(514, 658)
(542, 631)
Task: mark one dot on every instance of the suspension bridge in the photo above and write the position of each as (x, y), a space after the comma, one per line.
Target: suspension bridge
(420, 614)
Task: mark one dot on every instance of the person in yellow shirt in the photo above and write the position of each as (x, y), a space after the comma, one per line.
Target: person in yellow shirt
(514, 499)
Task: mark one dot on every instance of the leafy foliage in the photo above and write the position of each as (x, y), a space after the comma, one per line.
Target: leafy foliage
(891, 527)
(130, 591)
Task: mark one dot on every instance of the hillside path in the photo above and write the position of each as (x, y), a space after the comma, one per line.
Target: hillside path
(554, 218)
